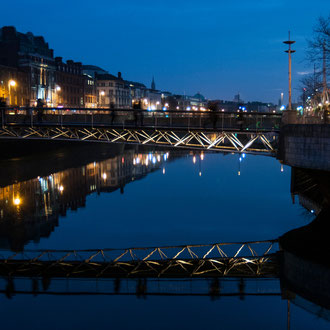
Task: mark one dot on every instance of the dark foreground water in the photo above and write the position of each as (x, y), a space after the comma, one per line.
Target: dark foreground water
(129, 197)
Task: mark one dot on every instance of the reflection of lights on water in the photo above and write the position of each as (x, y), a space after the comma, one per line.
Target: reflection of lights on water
(154, 160)
(282, 169)
(239, 173)
(17, 201)
(243, 155)
(104, 176)
(164, 170)
(202, 156)
(194, 159)
(158, 158)
(200, 173)
(240, 159)
(147, 162)
(312, 211)
(61, 188)
(134, 161)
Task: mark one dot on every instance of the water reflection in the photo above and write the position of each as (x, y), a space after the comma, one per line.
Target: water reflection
(31, 209)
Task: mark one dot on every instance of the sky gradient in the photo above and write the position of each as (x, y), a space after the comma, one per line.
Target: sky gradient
(216, 47)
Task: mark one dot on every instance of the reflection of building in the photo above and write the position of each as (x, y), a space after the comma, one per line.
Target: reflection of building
(30, 210)
(311, 187)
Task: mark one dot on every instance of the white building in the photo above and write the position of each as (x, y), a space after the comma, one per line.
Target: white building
(112, 92)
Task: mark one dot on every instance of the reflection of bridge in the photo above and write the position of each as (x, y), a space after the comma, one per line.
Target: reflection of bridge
(215, 288)
(248, 259)
(237, 132)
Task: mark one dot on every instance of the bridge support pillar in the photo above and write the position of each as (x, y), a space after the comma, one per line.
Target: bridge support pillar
(289, 117)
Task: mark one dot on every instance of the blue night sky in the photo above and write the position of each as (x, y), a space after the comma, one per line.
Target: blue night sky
(215, 47)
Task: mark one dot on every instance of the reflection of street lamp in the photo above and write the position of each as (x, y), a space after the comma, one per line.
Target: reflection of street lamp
(11, 83)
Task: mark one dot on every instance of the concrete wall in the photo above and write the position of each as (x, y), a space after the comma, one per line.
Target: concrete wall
(306, 146)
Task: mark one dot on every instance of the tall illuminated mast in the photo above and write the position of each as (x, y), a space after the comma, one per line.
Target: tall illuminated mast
(289, 51)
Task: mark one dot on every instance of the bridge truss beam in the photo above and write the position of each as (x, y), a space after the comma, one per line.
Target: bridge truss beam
(236, 141)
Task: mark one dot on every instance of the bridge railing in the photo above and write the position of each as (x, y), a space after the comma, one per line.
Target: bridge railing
(142, 118)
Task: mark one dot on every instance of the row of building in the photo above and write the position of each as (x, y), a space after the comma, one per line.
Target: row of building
(29, 72)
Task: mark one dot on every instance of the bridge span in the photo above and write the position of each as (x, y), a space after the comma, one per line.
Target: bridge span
(216, 131)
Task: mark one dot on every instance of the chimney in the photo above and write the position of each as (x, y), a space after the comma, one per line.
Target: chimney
(119, 75)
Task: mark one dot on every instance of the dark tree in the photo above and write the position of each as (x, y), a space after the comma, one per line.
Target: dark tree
(319, 48)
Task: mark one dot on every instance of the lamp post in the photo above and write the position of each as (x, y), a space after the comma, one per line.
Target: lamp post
(102, 93)
(11, 83)
(57, 91)
(289, 51)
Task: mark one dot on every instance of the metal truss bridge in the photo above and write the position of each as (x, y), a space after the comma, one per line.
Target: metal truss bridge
(247, 259)
(233, 132)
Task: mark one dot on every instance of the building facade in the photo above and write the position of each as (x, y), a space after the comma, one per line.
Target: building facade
(112, 92)
(90, 96)
(69, 84)
(14, 86)
(32, 55)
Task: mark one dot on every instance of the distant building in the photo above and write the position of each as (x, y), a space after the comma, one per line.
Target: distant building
(152, 100)
(137, 91)
(237, 99)
(14, 86)
(90, 94)
(153, 84)
(69, 84)
(32, 55)
(196, 102)
(112, 91)
(93, 70)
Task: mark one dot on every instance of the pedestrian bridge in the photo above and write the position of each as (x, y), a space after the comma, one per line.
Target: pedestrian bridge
(217, 131)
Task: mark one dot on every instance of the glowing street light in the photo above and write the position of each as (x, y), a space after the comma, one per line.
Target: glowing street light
(11, 83)
(17, 201)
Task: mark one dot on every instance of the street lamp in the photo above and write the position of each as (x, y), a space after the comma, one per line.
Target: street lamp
(11, 83)
(57, 90)
(102, 93)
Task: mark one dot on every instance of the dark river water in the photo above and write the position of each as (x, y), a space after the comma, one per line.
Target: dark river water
(125, 196)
